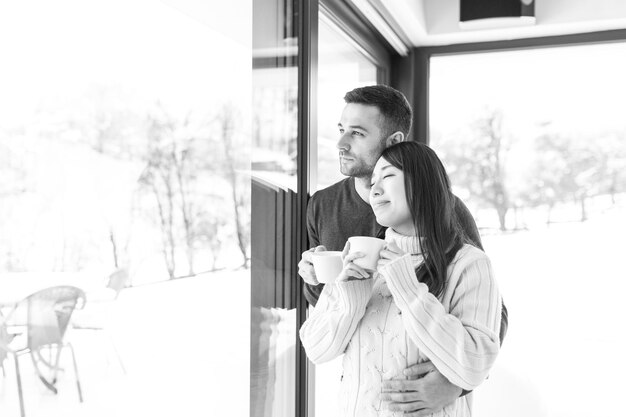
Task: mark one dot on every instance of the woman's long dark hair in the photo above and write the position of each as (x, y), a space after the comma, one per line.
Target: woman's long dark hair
(431, 202)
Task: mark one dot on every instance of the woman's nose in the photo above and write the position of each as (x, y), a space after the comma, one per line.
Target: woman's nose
(376, 191)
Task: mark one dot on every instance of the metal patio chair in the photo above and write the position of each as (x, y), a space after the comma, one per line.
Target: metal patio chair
(48, 314)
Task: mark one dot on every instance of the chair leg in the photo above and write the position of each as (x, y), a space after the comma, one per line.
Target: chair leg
(117, 353)
(80, 391)
(55, 369)
(38, 361)
(19, 385)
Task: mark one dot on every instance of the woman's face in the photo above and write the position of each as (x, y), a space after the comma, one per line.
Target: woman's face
(388, 198)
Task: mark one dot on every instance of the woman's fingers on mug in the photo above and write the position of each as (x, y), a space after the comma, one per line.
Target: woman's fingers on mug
(391, 251)
(352, 270)
(350, 257)
(381, 262)
(386, 255)
(393, 247)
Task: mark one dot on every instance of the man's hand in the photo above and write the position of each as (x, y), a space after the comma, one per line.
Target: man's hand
(305, 266)
(425, 392)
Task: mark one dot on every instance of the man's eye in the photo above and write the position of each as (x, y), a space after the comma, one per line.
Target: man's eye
(357, 133)
(387, 176)
(341, 131)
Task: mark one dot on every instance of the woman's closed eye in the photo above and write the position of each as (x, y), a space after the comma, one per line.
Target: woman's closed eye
(386, 176)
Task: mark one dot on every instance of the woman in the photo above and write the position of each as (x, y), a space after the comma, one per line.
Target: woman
(434, 296)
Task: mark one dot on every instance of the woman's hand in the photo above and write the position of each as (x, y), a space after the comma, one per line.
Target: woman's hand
(351, 271)
(389, 252)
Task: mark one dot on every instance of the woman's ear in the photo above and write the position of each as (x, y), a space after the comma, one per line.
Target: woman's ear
(394, 138)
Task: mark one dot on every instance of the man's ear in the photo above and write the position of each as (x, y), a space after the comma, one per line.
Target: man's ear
(394, 138)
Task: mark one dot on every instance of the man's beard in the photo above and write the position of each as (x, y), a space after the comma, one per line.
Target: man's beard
(358, 169)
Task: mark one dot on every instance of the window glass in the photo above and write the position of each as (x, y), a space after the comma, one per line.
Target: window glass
(124, 145)
(274, 188)
(342, 67)
(535, 144)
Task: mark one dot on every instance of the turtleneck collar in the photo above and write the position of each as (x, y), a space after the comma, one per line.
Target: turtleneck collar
(409, 244)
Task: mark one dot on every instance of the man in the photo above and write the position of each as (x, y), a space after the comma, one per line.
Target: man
(374, 118)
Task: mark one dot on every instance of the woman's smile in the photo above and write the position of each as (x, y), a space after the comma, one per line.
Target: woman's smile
(377, 205)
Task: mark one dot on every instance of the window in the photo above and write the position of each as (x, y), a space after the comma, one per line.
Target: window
(535, 144)
(342, 66)
(124, 144)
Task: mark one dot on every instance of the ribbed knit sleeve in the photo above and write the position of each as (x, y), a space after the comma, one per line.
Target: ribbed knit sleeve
(329, 328)
(462, 343)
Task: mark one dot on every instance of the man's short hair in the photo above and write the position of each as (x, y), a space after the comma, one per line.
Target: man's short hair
(394, 107)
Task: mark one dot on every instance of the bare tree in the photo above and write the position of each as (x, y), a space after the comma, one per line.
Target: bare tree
(184, 170)
(569, 168)
(181, 158)
(239, 193)
(159, 178)
(479, 164)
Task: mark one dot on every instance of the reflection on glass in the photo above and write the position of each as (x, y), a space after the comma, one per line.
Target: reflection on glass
(535, 142)
(274, 187)
(275, 94)
(123, 146)
(342, 67)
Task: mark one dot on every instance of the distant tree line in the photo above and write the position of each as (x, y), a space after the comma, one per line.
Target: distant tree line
(196, 173)
(563, 168)
(194, 186)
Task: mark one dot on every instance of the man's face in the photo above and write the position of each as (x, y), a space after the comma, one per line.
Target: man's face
(361, 142)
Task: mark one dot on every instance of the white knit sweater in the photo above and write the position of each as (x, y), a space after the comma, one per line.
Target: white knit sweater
(385, 324)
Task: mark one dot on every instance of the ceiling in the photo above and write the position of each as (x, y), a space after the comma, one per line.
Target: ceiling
(415, 23)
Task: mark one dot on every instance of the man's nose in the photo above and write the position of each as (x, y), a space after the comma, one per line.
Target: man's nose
(343, 143)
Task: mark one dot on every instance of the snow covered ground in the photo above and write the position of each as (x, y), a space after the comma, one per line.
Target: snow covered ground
(563, 286)
(185, 347)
